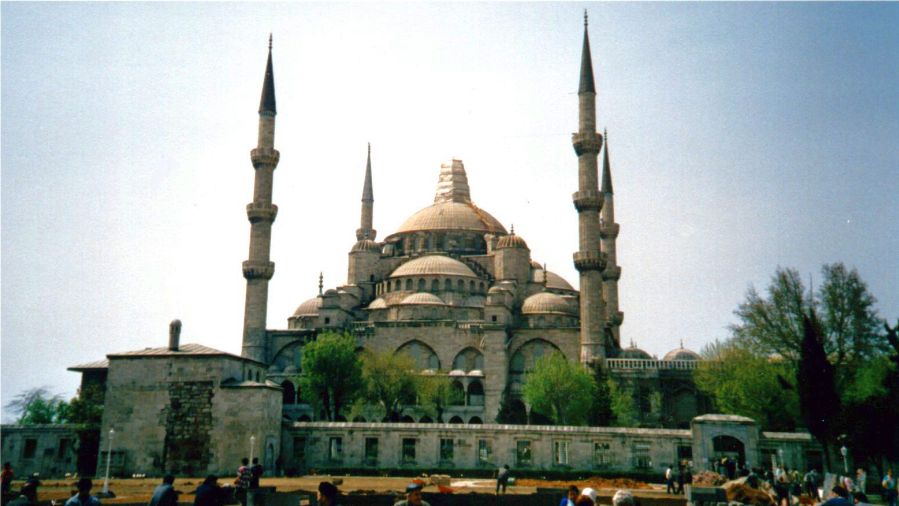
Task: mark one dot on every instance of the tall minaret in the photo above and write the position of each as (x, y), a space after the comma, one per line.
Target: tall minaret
(608, 233)
(261, 213)
(588, 201)
(368, 203)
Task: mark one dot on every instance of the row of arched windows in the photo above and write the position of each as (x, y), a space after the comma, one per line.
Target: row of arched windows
(421, 285)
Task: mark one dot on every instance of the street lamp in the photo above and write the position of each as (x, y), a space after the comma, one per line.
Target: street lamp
(252, 446)
(844, 452)
(780, 453)
(108, 460)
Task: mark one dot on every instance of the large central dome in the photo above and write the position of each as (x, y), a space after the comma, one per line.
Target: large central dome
(452, 208)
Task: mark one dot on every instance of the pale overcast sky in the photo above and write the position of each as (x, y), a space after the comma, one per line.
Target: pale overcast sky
(744, 136)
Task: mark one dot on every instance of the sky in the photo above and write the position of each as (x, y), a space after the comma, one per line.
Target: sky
(743, 137)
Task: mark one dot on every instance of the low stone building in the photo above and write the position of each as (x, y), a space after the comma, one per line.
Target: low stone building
(48, 450)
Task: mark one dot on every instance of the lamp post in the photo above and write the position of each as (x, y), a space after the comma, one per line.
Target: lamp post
(844, 452)
(780, 454)
(252, 446)
(108, 461)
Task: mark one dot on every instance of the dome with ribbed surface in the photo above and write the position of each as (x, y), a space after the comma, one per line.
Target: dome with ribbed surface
(633, 352)
(423, 298)
(309, 308)
(433, 265)
(366, 245)
(553, 280)
(452, 216)
(545, 302)
(378, 303)
(681, 354)
(511, 241)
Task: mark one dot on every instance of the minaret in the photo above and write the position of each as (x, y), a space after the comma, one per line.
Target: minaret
(368, 203)
(588, 201)
(608, 233)
(258, 270)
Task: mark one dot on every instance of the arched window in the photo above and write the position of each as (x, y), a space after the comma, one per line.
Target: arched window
(409, 284)
(407, 419)
(475, 420)
(469, 359)
(426, 419)
(422, 354)
(471, 286)
(396, 285)
(448, 285)
(460, 285)
(482, 287)
(475, 393)
(421, 285)
(304, 418)
(524, 359)
(435, 285)
(458, 397)
(289, 395)
(456, 419)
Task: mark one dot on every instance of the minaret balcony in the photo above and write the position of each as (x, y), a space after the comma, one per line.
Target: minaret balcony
(589, 261)
(586, 142)
(609, 231)
(587, 200)
(253, 269)
(261, 211)
(265, 157)
(616, 319)
(612, 273)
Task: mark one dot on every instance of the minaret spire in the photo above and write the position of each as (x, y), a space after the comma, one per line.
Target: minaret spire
(608, 234)
(588, 201)
(259, 269)
(368, 203)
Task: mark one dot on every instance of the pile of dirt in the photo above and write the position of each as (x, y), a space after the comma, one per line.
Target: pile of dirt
(708, 479)
(742, 493)
(595, 482)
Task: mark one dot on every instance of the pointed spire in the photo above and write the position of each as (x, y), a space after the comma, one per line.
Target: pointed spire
(606, 167)
(367, 193)
(586, 85)
(321, 283)
(267, 102)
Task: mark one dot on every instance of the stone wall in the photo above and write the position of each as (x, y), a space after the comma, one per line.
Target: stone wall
(49, 450)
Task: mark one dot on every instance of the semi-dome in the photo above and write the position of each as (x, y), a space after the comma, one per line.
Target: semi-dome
(309, 308)
(378, 303)
(421, 298)
(633, 352)
(545, 302)
(681, 354)
(511, 241)
(452, 216)
(366, 245)
(553, 280)
(431, 265)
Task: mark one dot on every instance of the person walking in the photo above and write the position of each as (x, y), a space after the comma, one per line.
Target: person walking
(810, 480)
(6, 478)
(889, 488)
(209, 493)
(669, 480)
(256, 471)
(861, 479)
(242, 482)
(165, 494)
(502, 478)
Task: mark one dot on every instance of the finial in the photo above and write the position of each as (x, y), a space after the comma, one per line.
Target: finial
(605, 133)
(682, 344)
(585, 18)
(269, 41)
(512, 230)
(321, 283)
(545, 276)
(369, 149)
(632, 343)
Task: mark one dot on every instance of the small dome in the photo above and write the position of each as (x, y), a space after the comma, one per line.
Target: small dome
(681, 354)
(511, 241)
(545, 302)
(553, 280)
(633, 352)
(309, 308)
(423, 298)
(475, 372)
(378, 303)
(474, 301)
(457, 372)
(366, 245)
(433, 265)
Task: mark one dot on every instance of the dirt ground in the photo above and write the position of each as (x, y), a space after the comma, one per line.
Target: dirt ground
(130, 491)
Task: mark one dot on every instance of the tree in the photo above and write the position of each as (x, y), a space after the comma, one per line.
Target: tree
(332, 373)
(818, 399)
(38, 406)
(435, 393)
(86, 411)
(561, 390)
(390, 381)
(601, 415)
(739, 381)
(624, 409)
(849, 323)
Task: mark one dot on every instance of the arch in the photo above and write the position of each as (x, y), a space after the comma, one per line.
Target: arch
(304, 418)
(729, 446)
(340, 418)
(529, 353)
(475, 420)
(396, 285)
(475, 395)
(421, 285)
(471, 286)
(435, 285)
(409, 284)
(359, 419)
(481, 288)
(423, 355)
(456, 419)
(448, 284)
(458, 397)
(426, 419)
(469, 359)
(290, 355)
(460, 285)
(289, 394)
(684, 407)
(407, 419)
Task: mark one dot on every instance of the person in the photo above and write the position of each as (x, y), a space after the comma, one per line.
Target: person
(209, 493)
(781, 486)
(165, 494)
(861, 478)
(681, 478)
(669, 481)
(587, 497)
(83, 497)
(570, 496)
(256, 471)
(623, 498)
(859, 498)
(27, 495)
(889, 488)
(752, 480)
(242, 482)
(839, 496)
(811, 484)
(327, 494)
(413, 496)
(6, 477)
(502, 478)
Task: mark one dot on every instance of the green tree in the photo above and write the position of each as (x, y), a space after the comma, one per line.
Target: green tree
(332, 373)
(818, 399)
(624, 409)
(742, 382)
(38, 406)
(436, 393)
(390, 381)
(561, 390)
(86, 411)
(601, 415)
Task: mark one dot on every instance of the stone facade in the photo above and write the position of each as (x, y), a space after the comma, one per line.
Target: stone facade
(49, 450)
